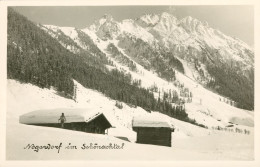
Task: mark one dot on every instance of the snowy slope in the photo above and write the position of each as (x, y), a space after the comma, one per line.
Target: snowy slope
(188, 140)
(207, 109)
(68, 31)
(148, 78)
(55, 31)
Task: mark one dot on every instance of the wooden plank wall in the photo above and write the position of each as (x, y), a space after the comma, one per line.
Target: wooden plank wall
(157, 136)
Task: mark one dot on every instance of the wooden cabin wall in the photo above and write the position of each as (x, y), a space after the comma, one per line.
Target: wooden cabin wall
(157, 136)
(92, 127)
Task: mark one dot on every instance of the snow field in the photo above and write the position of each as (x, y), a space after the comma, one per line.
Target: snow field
(189, 142)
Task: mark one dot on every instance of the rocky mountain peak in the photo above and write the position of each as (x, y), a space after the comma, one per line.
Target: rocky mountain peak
(167, 17)
(106, 19)
(191, 24)
(148, 20)
(106, 27)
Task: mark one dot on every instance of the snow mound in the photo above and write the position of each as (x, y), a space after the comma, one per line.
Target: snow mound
(52, 116)
(148, 120)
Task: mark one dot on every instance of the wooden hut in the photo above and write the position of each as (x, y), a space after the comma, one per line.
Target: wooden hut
(86, 120)
(152, 130)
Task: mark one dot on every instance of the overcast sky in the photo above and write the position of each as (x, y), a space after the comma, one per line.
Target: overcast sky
(236, 21)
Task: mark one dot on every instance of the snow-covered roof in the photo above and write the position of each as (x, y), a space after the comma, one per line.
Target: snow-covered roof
(53, 115)
(151, 121)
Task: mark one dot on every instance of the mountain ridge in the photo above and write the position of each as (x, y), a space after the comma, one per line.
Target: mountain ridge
(193, 41)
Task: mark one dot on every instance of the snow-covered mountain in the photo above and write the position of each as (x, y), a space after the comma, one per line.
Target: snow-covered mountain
(189, 39)
(166, 28)
(162, 43)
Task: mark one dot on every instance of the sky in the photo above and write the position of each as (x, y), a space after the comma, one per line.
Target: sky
(236, 21)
